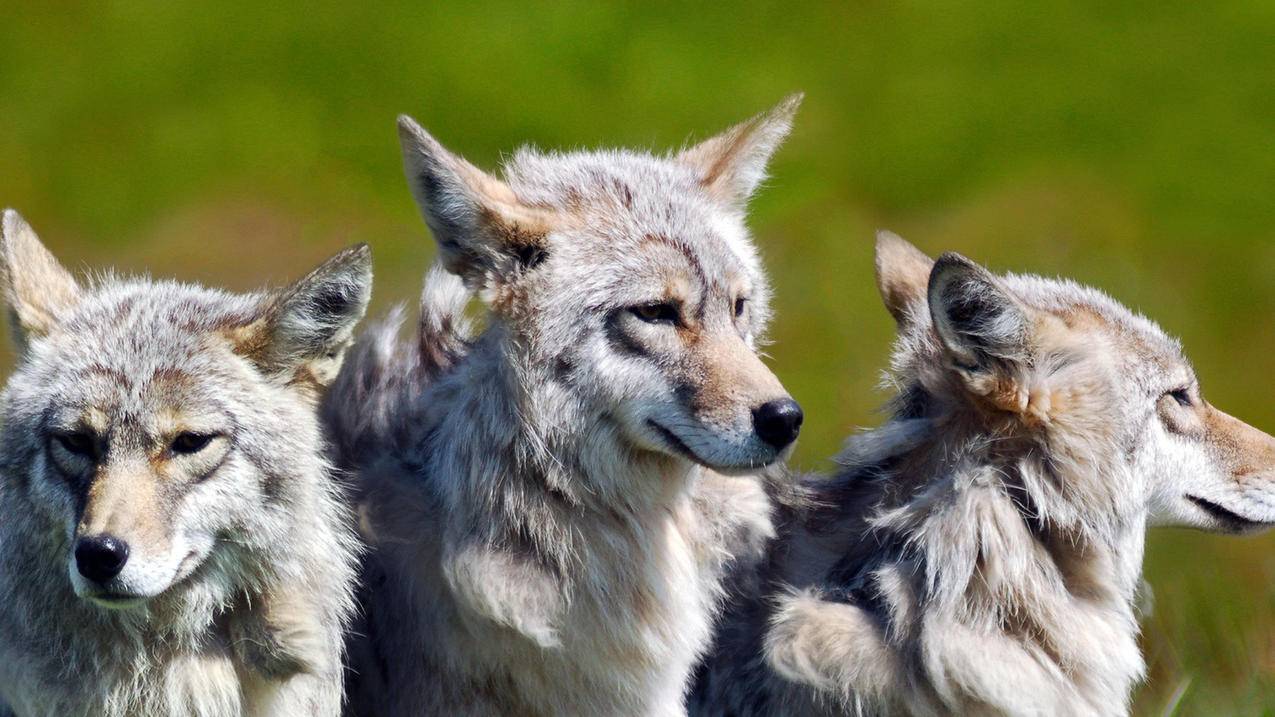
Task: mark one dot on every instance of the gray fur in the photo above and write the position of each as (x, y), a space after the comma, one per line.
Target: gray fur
(242, 555)
(981, 552)
(540, 546)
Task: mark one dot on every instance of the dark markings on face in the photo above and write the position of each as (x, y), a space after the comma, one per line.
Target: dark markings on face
(78, 481)
(691, 396)
(621, 340)
(696, 267)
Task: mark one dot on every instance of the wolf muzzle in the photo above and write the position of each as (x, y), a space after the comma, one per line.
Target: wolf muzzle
(778, 422)
(100, 558)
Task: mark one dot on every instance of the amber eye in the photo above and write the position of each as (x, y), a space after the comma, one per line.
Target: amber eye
(658, 313)
(187, 443)
(740, 303)
(77, 443)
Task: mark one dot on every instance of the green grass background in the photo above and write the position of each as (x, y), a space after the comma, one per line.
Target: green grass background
(1129, 145)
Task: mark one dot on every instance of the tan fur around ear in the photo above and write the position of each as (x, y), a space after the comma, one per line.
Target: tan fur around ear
(733, 163)
(302, 330)
(481, 226)
(903, 275)
(36, 286)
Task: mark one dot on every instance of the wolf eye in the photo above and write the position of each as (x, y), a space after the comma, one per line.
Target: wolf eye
(740, 303)
(1182, 396)
(187, 443)
(658, 313)
(77, 443)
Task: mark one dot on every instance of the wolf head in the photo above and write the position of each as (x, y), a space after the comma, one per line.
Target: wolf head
(152, 428)
(1106, 398)
(628, 280)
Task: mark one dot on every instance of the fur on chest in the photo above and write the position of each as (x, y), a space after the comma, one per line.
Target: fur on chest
(118, 682)
(616, 629)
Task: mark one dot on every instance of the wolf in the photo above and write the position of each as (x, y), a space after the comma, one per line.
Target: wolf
(551, 502)
(173, 539)
(981, 552)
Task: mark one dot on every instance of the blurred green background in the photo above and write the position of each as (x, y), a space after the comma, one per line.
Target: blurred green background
(1127, 145)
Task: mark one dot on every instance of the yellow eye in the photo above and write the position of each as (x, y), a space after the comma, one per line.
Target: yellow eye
(658, 313)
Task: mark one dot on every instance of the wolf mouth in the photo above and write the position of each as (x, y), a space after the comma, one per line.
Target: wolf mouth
(1224, 515)
(680, 447)
(674, 442)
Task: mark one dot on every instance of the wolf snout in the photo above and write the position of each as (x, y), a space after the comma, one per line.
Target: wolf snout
(778, 422)
(100, 557)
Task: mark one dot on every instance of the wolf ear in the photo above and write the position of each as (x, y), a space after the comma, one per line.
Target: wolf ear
(981, 325)
(903, 275)
(304, 328)
(733, 163)
(39, 291)
(485, 234)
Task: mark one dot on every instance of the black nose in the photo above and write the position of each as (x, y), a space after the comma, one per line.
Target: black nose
(100, 557)
(778, 422)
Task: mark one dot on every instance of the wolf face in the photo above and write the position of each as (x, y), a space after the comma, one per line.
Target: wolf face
(1097, 387)
(627, 280)
(151, 425)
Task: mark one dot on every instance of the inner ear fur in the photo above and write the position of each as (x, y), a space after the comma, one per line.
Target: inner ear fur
(38, 290)
(732, 164)
(987, 337)
(303, 329)
(485, 234)
(978, 322)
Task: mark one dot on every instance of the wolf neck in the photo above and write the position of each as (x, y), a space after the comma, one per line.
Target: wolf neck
(977, 497)
(1002, 551)
(554, 529)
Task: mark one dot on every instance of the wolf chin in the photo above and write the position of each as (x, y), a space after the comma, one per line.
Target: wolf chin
(551, 503)
(172, 539)
(981, 552)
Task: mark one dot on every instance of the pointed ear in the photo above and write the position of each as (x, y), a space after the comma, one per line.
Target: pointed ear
(733, 163)
(304, 329)
(484, 233)
(903, 275)
(979, 323)
(38, 290)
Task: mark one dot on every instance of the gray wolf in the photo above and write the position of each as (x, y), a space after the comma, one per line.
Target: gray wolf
(981, 552)
(551, 503)
(172, 536)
